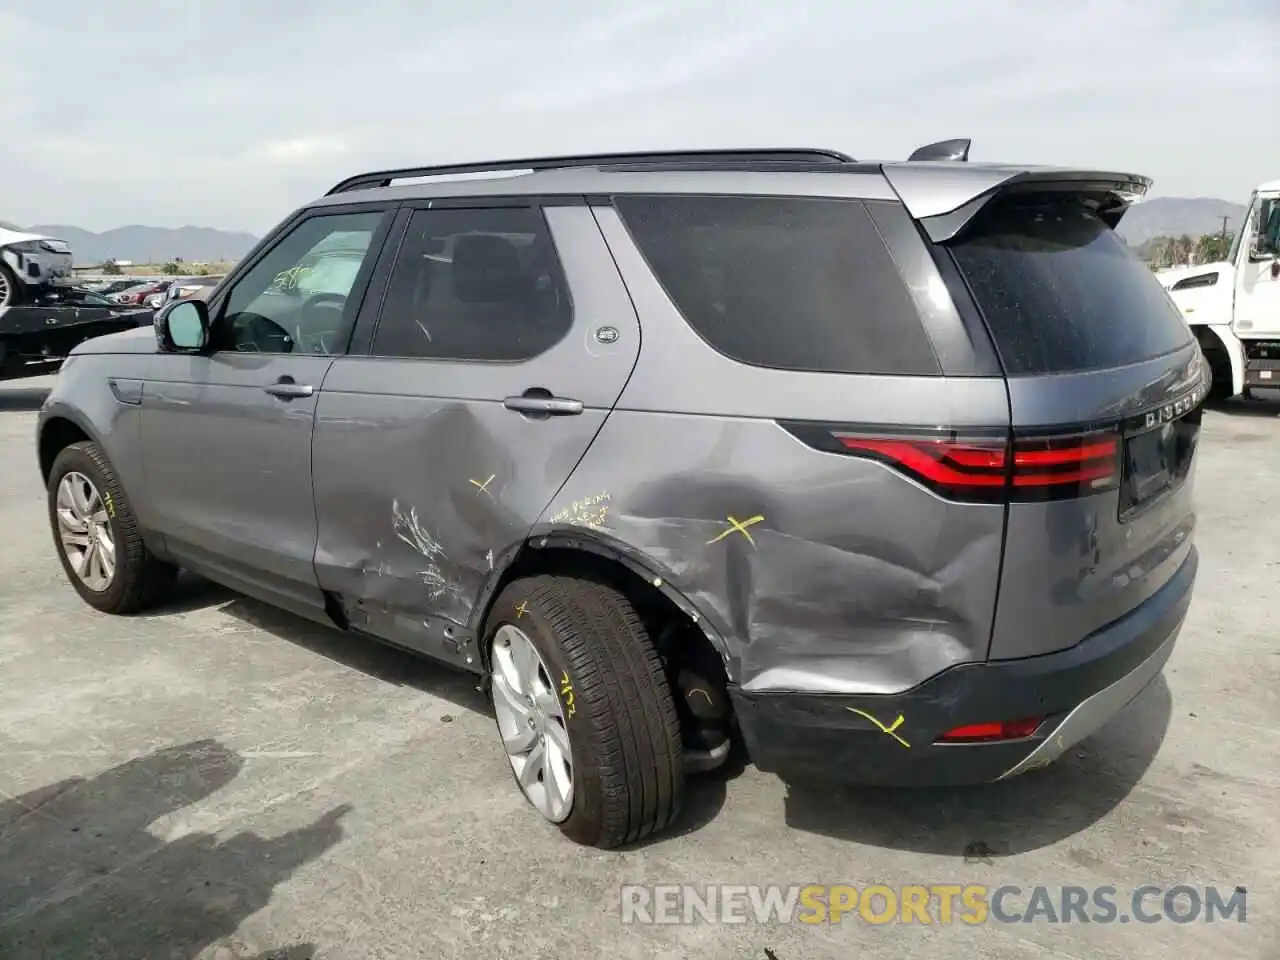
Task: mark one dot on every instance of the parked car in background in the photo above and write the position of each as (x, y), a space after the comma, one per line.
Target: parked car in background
(188, 288)
(137, 295)
(30, 263)
(106, 288)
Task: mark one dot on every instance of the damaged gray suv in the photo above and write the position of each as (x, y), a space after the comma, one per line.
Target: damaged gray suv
(881, 470)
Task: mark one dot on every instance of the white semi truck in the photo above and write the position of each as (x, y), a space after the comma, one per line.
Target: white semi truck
(1233, 307)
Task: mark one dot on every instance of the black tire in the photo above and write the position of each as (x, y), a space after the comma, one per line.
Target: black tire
(624, 732)
(11, 291)
(141, 580)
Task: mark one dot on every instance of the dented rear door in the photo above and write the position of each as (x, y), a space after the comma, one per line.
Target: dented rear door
(503, 339)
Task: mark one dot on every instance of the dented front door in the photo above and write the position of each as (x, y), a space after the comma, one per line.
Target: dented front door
(482, 384)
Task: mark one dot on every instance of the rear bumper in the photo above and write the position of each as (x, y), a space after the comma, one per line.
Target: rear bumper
(860, 739)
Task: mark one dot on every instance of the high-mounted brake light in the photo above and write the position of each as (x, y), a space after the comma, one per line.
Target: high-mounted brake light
(990, 732)
(986, 470)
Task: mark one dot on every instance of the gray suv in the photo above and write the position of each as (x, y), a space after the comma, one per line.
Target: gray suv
(880, 470)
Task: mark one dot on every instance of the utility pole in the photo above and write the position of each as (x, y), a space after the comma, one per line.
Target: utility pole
(1224, 228)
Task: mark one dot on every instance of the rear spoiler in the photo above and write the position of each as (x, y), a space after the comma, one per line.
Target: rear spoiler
(944, 195)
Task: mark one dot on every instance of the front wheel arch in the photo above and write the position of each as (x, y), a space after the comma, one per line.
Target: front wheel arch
(56, 434)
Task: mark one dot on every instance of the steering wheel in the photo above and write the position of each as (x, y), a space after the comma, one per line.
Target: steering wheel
(311, 328)
(256, 333)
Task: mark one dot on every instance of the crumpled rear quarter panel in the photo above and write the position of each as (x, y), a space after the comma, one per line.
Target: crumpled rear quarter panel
(842, 576)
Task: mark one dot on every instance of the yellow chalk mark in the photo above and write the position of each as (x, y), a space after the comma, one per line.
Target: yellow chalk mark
(566, 691)
(889, 730)
(111, 505)
(484, 487)
(737, 526)
(689, 695)
(522, 608)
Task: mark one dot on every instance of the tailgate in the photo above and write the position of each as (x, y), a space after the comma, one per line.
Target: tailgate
(1097, 360)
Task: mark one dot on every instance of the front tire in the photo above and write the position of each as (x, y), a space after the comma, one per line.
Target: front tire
(96, 535)
(592, 704)
(10, 291)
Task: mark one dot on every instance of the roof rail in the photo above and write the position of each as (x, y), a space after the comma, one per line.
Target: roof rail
(384, 178)
(943, 150)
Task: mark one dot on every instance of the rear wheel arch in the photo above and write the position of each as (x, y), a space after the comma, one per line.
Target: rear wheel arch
(596, 556)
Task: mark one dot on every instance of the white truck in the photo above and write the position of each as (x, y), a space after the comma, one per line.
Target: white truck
(1233, 307)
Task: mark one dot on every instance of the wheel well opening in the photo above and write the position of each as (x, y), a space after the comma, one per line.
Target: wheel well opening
(694, 667)
(1219, 362)
(56, 436)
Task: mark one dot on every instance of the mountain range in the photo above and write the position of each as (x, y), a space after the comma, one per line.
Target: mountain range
(150, 244)
(1160, 216)
(1174, 216)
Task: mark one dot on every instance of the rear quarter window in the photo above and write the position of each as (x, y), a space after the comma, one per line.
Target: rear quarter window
(1062, 293)
(788, 283)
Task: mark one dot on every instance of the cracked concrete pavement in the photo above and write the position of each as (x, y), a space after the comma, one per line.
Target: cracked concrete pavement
(222, 780)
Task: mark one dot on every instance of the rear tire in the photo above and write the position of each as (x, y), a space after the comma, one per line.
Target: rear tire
(617, 708)
(138, 579)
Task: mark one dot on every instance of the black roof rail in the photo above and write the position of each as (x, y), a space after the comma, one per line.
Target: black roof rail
(943, 150)
(384, 178)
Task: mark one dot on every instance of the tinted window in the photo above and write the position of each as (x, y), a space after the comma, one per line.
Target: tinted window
(800, 284)
(1061, 292)
(474, 284)
(294, 300)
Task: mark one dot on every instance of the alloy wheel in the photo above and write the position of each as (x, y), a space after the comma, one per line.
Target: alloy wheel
(532, 723)
(84, 531)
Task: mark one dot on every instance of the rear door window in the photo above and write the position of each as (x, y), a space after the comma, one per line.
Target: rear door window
(475, 284)
(790, 283)
(1062, 293)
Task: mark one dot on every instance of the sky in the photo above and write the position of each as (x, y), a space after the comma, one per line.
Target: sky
(232, 114)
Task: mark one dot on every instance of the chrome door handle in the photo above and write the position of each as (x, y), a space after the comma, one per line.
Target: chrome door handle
(287, 390)
(544, 406)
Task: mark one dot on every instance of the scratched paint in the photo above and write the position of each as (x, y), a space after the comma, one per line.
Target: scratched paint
(409, 529)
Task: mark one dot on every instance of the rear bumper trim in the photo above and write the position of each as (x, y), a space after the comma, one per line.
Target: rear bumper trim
(1093, 712)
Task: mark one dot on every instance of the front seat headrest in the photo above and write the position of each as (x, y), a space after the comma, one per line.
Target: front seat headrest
(487, 269)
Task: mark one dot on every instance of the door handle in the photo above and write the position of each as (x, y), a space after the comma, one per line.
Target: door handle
(542, 404)
(288, 390)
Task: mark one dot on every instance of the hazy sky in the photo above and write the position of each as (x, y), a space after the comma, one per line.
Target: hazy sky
(230, 114)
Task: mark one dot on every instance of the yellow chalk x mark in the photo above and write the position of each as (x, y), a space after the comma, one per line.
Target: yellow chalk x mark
(484, 487)
(522, 608)
(738, 526)
(111, 505)
(566, 691)
(889, 730)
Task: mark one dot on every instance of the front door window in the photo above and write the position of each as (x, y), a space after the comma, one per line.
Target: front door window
(295, 299)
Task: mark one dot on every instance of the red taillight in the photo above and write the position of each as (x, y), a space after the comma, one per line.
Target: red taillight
(988, 732)
(993, 469)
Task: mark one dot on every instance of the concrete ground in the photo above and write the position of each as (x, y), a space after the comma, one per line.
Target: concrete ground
(223, 780)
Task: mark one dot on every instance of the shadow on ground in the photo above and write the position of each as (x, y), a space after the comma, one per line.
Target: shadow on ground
(1266, 404)
(82, 876)
(705, 793)
(999, 819)
(357, 652)
(22, 398)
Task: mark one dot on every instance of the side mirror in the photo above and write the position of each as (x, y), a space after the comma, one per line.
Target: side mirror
(183, 326)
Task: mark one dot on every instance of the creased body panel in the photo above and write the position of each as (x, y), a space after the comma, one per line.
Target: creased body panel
(820, 572)
(427, 484)
(459, 484)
